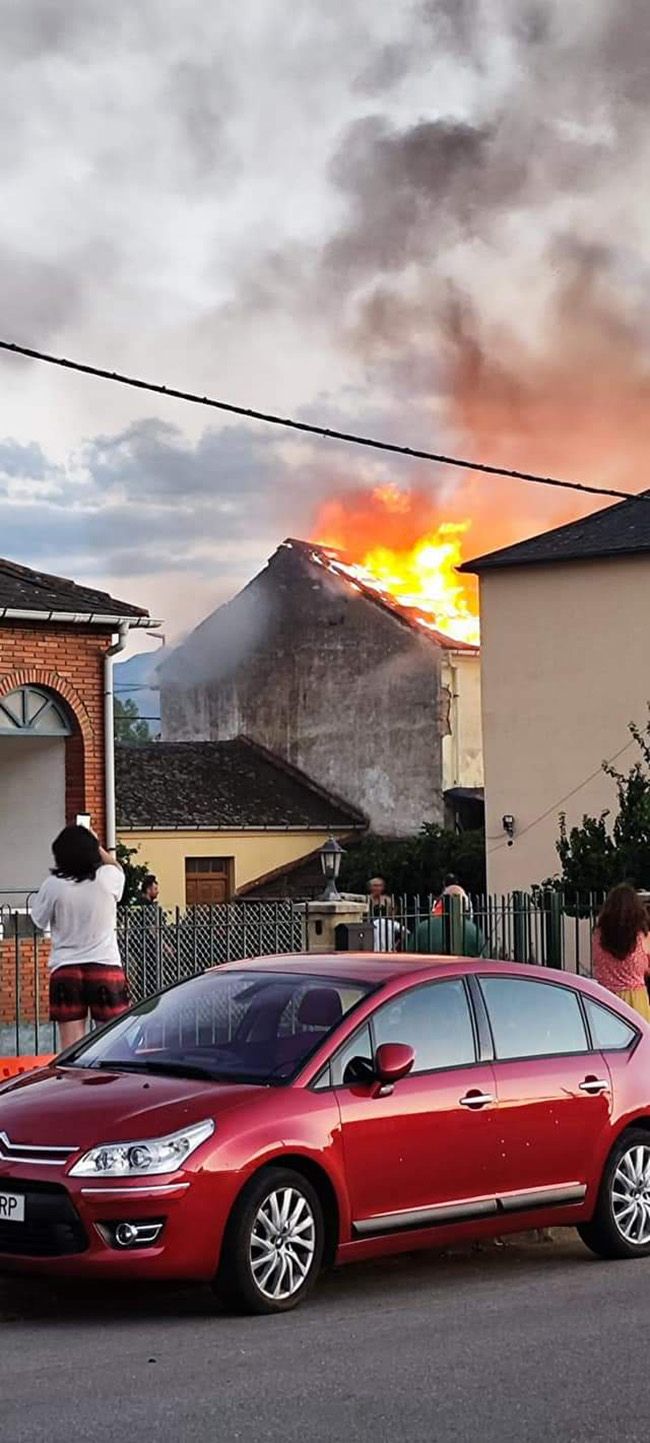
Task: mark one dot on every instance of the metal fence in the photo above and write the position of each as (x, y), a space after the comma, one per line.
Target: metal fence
(542, 927)
(159, 948)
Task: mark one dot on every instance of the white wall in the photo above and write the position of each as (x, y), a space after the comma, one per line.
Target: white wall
(32, 809)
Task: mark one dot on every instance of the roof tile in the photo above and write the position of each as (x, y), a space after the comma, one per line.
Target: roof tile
(221, 785)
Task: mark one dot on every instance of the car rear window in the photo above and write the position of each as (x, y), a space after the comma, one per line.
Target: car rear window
(609, 1031)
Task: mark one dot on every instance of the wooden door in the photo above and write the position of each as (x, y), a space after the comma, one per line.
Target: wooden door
(207, 881)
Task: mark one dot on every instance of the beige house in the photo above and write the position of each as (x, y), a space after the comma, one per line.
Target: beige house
(565, 626)
(215, 820)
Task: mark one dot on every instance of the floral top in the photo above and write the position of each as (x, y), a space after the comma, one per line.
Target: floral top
(617, 974)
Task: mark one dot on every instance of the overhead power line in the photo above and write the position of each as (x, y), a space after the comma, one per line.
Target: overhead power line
(327, 432)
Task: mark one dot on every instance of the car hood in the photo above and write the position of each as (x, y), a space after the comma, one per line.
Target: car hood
(80, 1108)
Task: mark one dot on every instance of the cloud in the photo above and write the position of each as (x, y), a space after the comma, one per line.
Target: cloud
(427, 221)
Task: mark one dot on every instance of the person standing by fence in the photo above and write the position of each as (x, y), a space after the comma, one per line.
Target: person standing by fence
(620, 948)
(78, 902)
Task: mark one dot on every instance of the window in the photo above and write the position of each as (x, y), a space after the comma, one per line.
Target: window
(434, 1020)
(358, 1049)
(533, 1019)
(230, 1026)
(607, 1029)
(29, 711)
(208, 880)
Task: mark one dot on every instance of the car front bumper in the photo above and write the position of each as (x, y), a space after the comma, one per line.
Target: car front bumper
(69, 1225)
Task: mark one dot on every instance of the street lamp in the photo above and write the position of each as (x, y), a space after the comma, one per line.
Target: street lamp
(330, 860)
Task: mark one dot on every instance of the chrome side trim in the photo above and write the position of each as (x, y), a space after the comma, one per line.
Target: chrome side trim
(426, 1217)
(134, 1191)
(539, 1197)
(466, 1209)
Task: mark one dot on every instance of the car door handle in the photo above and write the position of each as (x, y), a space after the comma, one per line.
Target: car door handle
(594, 1085)
(476, 1099)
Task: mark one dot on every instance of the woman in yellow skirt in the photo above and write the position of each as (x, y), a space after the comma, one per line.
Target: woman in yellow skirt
(621, 947)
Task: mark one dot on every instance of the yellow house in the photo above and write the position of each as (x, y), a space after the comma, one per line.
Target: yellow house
(213, 820)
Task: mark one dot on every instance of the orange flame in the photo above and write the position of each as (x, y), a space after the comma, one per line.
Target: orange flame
(388, 540)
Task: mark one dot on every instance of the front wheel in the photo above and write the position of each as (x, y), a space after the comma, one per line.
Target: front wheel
(273, 1247)
(620, 1227)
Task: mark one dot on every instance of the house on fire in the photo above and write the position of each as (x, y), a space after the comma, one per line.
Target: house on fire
(564, 620)
(357, 691)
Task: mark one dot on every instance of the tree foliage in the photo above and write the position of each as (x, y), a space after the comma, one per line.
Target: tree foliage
(605, 850)
(134, 872)
(416, 866)
(130, 729)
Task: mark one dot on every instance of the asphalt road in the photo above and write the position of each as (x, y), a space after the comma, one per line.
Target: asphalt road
(509, 1345)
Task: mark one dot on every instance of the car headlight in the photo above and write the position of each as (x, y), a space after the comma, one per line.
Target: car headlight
(149, 1158)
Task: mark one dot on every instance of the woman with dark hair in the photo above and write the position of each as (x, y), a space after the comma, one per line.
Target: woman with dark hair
(78, 901)
(620, 948)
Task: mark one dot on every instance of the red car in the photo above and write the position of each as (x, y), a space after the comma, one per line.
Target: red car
(266, 1118)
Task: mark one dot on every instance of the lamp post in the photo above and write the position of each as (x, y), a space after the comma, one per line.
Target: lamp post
(330, 860)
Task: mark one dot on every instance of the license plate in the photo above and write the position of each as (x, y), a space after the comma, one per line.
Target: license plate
(12, 1207)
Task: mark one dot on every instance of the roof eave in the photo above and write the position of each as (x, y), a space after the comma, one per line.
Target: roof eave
(498, 562)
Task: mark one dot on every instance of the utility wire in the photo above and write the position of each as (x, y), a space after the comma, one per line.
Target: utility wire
(549, 810)
(312, 430)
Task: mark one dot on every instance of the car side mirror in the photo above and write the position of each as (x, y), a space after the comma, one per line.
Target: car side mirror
(393, 1060)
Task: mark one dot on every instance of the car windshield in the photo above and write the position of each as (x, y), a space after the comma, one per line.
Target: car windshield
(225, 1027)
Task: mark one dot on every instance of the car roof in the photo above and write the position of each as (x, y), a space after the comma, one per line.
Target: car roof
(371, 968)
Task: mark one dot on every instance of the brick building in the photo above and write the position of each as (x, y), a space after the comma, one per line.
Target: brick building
(56, 645)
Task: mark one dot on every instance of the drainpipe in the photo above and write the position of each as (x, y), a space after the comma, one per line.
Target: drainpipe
(109, 738)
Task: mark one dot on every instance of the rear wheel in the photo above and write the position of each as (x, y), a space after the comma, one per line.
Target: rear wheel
(273, 1248)
(620, 1227)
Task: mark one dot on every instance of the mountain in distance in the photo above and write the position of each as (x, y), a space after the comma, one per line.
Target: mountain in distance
(136, 680)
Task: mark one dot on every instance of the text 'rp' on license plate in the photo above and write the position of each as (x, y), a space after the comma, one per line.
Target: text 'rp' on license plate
(12, 1207)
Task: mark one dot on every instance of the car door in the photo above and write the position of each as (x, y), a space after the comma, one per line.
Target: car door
(553, 1090)
(423, 1152)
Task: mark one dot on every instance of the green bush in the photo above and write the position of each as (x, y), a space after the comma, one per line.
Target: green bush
(416, 866)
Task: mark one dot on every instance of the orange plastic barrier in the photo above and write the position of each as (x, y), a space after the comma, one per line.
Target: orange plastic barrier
(13, 1066)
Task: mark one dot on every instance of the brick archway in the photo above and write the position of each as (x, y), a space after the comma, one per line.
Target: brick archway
(79, 746)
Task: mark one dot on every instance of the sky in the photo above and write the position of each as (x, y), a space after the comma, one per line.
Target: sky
(427, 221)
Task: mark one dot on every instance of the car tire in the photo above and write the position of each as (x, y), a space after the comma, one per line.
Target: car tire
(273, 1246)
(620, 1227)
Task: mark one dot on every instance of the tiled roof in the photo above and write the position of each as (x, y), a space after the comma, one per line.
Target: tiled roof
(221, 785)
(24, 590)
(621, 530)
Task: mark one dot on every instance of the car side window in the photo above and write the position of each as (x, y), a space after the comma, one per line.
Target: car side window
(609, 1031)
(435, 1020)
(353, 1059)
(533, 1019)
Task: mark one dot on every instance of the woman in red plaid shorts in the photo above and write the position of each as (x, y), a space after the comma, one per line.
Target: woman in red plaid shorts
(78, 901)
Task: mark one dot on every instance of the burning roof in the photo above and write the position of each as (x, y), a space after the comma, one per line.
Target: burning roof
(383, 591)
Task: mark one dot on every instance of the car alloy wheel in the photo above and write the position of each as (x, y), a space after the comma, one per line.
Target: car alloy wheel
(273, 1247)
(620, 1224)
(631, 1195)
(283, 1244)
